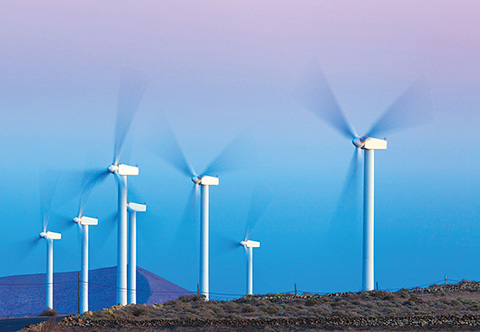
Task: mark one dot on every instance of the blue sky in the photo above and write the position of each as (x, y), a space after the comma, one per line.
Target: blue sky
(216, 68)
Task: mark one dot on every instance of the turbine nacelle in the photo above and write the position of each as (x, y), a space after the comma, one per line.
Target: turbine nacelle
(86, 221)
(250, 244)
(123, 169)
(50, 235)
(206, 180)
(369, 143)
(135, 207)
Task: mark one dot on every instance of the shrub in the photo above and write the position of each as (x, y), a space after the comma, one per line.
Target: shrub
(191, 298)
(388, 297)
(272, 309)
(49, 312)
(138, 311)
(249, 308)
(415, 299)
(170, 303)
(311, 302)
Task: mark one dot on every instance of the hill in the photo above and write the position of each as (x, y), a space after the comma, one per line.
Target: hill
(24, 295)
(438, 307)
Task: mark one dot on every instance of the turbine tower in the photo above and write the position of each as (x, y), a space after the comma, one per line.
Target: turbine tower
(409, 109)
(204, 181)
(369, 145)
(133, 208)
(122, 171)
(84, 223)
(249, 245)
(49, 237)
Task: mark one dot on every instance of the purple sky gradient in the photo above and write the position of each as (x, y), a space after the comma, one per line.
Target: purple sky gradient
(217, 67)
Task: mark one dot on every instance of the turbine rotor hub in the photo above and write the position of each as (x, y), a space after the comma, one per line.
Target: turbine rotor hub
(196, 179)
(43, 234)
(112, 168)
(359, 142)
(77, 220)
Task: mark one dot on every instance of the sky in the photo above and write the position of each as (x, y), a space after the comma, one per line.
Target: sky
(217, 69)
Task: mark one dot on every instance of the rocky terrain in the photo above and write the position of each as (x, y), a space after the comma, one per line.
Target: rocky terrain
(436, 308)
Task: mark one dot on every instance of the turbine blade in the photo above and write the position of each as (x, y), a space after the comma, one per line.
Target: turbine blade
(89, 181)
(314, 93)
(222, 244)
(168, 149)
(412, 108)
(133, 194)
(258, 204)
(24, 247)
(190, 212)
(132, 88)
(48, 185)
(108, 226)
(348, 203)
(237, 155)
(66, 222)
(187, 232)
(80, 234)
(127, 148)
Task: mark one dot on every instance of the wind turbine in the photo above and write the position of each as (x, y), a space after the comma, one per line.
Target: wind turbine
(132, 89)
(249, 245)
(133, 208)
(258, 204)
(48, 185)
(84, 223)
(411, 108)
(49, 237)
(229, 159)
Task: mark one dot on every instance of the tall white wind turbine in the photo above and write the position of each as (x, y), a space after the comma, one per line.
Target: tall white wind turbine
(132, 89)
(413, 107)
(49, 237)
(133, 208)
(84, 223)
(231, 158)
(48, 186)
(249, 245)
(258, 204)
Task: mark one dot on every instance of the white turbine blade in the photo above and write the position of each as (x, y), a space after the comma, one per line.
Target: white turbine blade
(91, 179)
(108, 226)
(240, 154)
(412, 108)
(134, 194)
(348, 202)
(187, 231)
(258, 204)
(221, 244)
(48, 185)
(132, 88)
(166, 146)
(314, 93)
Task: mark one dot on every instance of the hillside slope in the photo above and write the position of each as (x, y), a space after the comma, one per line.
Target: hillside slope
(24, 295)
